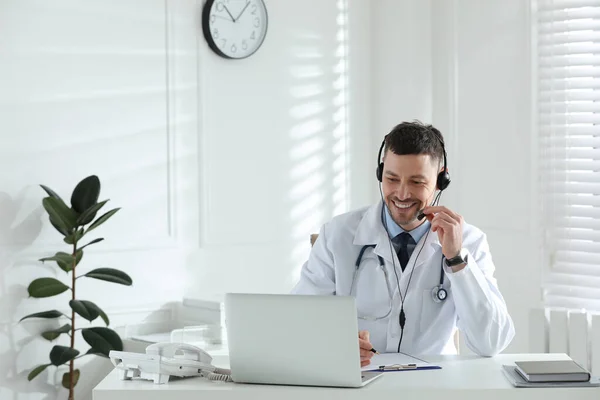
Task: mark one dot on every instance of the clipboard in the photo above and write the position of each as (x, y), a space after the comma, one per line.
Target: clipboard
(396, 362)
(421, 368)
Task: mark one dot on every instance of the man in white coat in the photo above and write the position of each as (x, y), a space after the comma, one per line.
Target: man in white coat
(417, 271)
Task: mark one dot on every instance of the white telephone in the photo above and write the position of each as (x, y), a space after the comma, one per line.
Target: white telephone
(165, 359)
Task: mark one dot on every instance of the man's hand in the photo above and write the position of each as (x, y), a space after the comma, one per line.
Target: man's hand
(365, 348)
(449, 226)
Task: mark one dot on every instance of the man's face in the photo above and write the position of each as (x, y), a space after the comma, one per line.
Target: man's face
(409, 183)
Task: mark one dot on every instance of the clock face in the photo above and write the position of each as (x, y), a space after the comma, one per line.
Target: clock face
(234, 28)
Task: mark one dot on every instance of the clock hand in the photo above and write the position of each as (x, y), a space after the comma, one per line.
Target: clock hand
(221, 17)
(243, 9)
(231, 16)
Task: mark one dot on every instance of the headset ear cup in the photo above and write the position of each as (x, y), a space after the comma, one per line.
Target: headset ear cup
(443, 180)
(379, 172)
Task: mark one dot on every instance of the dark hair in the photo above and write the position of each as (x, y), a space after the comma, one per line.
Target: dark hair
(415, 138)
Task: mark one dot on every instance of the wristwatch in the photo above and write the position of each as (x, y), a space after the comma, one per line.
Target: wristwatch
(461, 258)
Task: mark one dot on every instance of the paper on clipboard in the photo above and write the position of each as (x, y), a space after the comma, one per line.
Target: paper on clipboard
(388, 359)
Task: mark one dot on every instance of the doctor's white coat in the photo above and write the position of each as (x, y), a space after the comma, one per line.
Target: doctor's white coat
(474, 305)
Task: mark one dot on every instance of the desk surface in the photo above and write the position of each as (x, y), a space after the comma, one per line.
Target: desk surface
(461, 377)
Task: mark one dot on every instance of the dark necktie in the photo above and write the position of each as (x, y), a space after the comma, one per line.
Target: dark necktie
(402, 240)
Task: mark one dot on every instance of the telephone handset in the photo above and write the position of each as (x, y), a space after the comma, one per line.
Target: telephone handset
(179, 350)
(162, 360)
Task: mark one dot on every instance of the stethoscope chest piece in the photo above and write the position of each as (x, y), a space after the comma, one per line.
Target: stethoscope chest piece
(439, 294)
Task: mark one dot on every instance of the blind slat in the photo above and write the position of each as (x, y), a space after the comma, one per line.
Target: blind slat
(577, 234)
(564, 72)
(587, 118)
(568, 37)
(577, 257)
(569, 26)
(573, 222)
(553, 96)
(572, 177)
(558, 130)
(576, 211)
(576, 60)
(552, 85)
(569, 165)
(571, 13)
(572, 140)
(574, 187)
(561, 5)
(564, 108)
(563, 49)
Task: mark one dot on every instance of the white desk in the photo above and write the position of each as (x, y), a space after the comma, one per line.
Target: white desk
(461, 378)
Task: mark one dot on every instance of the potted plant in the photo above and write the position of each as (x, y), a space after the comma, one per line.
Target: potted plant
(74, 223)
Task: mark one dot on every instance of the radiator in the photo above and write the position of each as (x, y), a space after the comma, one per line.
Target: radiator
(576, 333)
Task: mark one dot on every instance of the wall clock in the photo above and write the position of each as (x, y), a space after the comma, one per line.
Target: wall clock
(234, 29)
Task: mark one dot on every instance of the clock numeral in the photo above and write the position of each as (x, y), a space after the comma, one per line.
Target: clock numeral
(253, 9)
(244, 45)
(223, 41)
(213, 17)
(253, 36)
(233, 48)
(216, 33)
(220, 6)
(257, 22)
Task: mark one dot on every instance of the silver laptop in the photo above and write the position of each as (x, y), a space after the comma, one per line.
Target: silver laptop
(294, 340)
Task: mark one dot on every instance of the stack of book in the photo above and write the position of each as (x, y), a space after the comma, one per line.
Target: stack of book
(549, 374)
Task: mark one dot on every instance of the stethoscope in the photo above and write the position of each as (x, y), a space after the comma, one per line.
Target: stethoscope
(438, 293)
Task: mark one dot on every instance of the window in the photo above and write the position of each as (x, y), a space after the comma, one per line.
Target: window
(568, 101)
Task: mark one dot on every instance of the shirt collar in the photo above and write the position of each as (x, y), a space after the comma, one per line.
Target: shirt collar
(394, 229)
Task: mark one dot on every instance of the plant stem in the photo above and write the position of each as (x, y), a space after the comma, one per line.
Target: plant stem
(72, 362)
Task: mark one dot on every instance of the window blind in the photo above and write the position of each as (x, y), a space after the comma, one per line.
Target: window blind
(568, 97)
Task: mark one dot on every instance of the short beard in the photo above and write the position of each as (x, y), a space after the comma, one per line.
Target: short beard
(410, 219)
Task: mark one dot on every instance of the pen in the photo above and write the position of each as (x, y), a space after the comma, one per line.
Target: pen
(374, 351)
(397, 367)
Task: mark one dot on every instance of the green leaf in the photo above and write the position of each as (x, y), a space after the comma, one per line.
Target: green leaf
(62, 354)
(46, 287)
(92, 242)
(63, 231)
(88, 215)
(102, 219)
(104, 317)
(86, 309)
(85, 194)
(66, 379)
(96, 353)
(74, 237)
(51, 192)
(51, 335)
(60, 214)
(102, 340)
(45, 314)
(36, 371)
(110, 275)
(64, 260)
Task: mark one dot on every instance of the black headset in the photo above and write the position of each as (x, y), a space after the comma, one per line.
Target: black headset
(443, 178)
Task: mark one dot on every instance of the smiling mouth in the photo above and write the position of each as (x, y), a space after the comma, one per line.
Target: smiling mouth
(404, 205)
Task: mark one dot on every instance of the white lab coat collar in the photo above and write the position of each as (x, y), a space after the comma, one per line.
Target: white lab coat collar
(370, 230)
